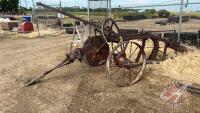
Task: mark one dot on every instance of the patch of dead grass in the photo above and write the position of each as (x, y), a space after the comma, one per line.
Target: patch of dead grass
(34, 34)
(185, 67)
(42, 32)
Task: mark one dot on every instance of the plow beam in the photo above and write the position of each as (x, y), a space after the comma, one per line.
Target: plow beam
(68, 15)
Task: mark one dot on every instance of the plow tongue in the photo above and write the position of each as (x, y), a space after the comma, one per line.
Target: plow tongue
(34, 81)
(25, 82)
(30, 82)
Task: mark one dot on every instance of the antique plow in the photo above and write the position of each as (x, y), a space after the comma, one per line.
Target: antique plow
(123, 53)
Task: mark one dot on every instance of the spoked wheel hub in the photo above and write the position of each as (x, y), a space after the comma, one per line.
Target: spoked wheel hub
(126, 63)
(121, 60)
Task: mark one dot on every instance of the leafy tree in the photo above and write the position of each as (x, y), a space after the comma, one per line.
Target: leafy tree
(9, 6)
(150, 13)
(163, 14)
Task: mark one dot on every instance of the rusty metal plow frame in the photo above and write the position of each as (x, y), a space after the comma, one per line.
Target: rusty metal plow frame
(96, 51)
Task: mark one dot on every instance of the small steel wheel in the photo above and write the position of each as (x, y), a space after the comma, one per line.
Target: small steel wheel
(111, 31)
(126, 63)
(110, 27)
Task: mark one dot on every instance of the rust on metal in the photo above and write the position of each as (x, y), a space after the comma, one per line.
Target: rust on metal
(126, 61)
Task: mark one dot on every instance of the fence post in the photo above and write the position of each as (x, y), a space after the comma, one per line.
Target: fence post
(110, 9)
(33, 12)
(88, 12)
(180, 20)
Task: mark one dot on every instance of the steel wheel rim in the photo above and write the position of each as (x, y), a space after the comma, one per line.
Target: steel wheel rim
(137, 76)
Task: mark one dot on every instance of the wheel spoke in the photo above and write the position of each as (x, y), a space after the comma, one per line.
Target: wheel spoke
(118, 69)
(117, 50)
(112, 45)
(118, 78)
(133, 73)
(130, 51)
(129, 75)
(133, 52)
(125, 47)
(121, 47)
(112, 25)
(124, 75)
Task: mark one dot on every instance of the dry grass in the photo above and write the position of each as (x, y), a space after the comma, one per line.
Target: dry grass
(185, 67)
(41, 32)
(34, 34)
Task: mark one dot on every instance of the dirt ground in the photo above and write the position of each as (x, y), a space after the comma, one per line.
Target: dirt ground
(76, 88)
(149, 25)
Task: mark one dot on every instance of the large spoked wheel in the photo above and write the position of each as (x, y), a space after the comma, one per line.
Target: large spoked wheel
(111, 31)
(126, 63)
(110, 27)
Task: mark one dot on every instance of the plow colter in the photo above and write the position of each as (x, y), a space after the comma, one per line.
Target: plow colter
(123, 53)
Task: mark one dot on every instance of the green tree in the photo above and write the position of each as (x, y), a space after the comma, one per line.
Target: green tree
(150, 13)
(9, 6)
(163, 14)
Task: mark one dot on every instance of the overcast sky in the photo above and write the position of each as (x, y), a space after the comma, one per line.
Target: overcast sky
(116, 3)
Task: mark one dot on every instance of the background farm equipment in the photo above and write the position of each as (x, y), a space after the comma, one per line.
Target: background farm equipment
(123, 51)
(189, 38)
(163, 22)
(173, 19)
(176, 19)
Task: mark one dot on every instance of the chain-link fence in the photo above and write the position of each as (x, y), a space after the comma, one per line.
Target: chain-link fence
(163, 16)
(98, 10)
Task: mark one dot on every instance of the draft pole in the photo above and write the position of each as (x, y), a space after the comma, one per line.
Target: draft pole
(180, 20)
